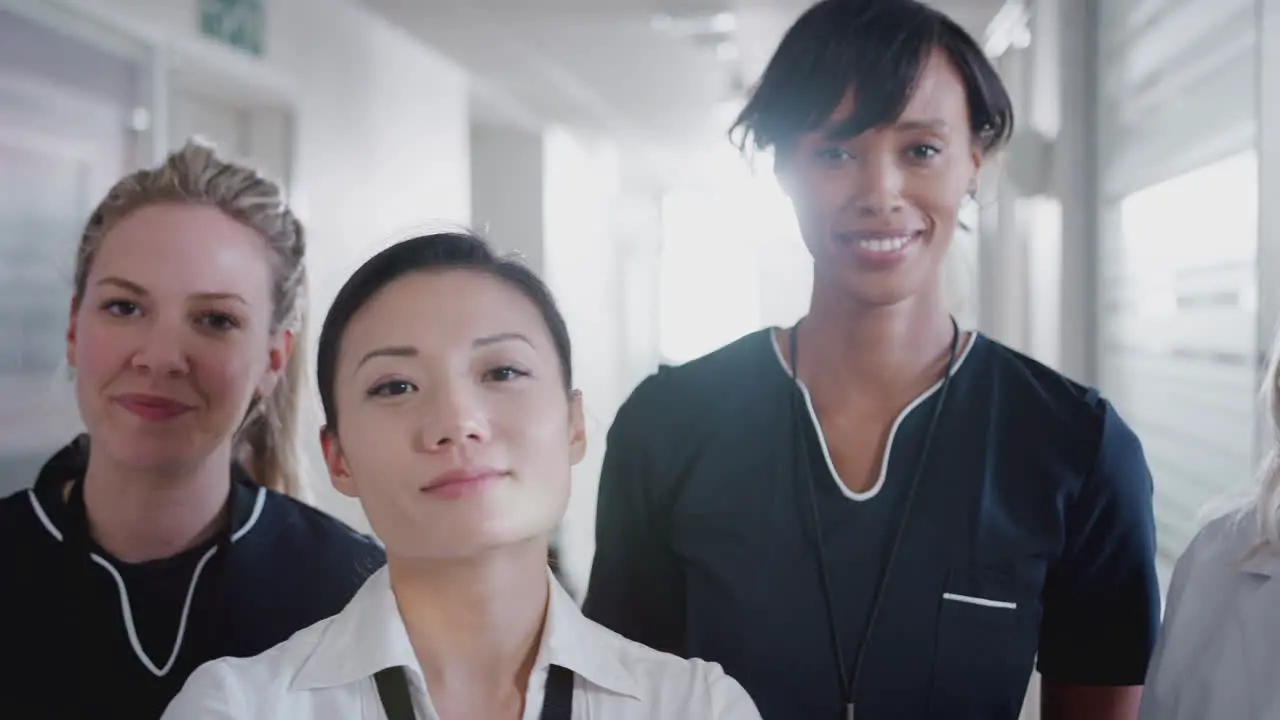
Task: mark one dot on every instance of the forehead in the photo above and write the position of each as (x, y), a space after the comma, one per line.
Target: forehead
(174, 248)
(443, 310)
(939, 97)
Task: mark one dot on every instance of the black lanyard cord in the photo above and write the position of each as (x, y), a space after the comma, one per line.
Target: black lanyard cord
(849, 691)
(393, 691)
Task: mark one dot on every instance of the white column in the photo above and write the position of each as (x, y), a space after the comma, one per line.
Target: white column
(1268, 183)
(1076, 179)
(507, 189)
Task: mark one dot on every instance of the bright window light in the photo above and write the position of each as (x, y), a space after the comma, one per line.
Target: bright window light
(732, 260)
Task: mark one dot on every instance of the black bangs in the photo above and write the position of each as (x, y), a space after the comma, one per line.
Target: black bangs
(878, 47)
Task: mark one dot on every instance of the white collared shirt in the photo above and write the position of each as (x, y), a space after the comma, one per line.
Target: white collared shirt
(1220, 645)
(325, 672)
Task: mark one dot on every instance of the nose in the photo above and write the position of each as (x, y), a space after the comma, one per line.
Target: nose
(879, 188)
(162, 351)
(456, 419)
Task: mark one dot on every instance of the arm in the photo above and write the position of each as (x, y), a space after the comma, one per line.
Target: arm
(1059, 701)
(1102, 598)
(636, 586)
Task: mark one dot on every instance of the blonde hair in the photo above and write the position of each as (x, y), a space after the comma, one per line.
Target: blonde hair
(195, 174)
(1265, 504)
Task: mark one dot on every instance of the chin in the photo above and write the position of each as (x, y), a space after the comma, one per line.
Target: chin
(887, 287)
(147, 452)
(451, 543)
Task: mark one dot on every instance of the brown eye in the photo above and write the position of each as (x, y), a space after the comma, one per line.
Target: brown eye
(391, 388)
(505, 373)
(120, 308)
(220, 322)
(924, 151)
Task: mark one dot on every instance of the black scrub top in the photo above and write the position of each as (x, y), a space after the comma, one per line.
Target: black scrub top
(1031, 539)
(89, 636)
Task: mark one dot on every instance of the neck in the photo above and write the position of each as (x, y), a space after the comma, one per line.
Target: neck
(475, 623)
(873, 351)
(139, 516)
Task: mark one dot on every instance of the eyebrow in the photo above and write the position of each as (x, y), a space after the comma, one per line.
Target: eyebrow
(409, 351)
(137, 289)
(399, 351)
(501, 338)
(935, 125)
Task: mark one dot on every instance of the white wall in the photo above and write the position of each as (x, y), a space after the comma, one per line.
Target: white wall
(382, 133)
(581, 264)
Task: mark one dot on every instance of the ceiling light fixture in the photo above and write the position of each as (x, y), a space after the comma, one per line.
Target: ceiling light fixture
(702, 25)
(1009, 29)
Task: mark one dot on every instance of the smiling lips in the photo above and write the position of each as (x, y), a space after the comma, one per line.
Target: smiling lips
(881, 249)
(153, 408)
(460, 483)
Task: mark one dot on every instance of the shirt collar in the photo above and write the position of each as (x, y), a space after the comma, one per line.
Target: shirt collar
(1261, 561)
(591, 651)
(369, 635)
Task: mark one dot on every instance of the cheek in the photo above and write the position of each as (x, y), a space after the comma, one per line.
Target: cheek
(535, 425)
(225, 374)
(821, 194)
(100, 352)
(939, 197)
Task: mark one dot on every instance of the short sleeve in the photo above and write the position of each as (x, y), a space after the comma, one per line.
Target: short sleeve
(1102, 597)
(729, 700)
(209, 694)
(636, 587)
(1154, 695)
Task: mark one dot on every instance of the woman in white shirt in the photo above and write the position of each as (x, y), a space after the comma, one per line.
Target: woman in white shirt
(1220, 645)
(445, 378)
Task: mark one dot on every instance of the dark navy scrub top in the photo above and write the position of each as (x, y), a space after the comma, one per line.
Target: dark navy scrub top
(88, 636)
(1031, 539)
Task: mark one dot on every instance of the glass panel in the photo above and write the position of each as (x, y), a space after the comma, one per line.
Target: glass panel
(42, 196)
(65, 109)
(1177, 260)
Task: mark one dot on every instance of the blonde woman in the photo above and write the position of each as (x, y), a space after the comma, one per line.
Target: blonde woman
(165, 536)
(1219, 648)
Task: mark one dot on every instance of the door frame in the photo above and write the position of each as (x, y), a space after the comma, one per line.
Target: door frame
(168, 63)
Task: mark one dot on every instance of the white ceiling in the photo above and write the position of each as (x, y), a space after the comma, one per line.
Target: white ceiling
(601, 66)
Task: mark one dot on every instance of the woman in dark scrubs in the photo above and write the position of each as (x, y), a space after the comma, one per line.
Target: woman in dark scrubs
(165, 537)
(907, 523)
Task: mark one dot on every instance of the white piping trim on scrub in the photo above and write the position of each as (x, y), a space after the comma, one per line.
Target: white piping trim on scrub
(44, 519)
(126, 610)
(984, 602)
(893, 431)
(253, 516)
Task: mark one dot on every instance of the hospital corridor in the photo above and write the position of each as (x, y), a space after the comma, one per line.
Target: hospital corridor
(707, 359)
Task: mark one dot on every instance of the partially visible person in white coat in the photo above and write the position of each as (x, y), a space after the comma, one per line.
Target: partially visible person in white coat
(1218, 653)
(450, 413)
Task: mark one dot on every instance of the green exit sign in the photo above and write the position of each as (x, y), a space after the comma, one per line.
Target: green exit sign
(239, 23)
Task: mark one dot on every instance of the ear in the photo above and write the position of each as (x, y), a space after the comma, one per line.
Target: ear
(277, 360)
(71, 334)
(577, 429)
(978, 159)
(334, 461)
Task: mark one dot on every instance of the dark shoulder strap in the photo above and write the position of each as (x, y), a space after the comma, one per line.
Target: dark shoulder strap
(393, 690)
(558, 703)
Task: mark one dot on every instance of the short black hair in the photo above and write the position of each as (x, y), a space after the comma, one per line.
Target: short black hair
(425, 253)
(878, 47)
